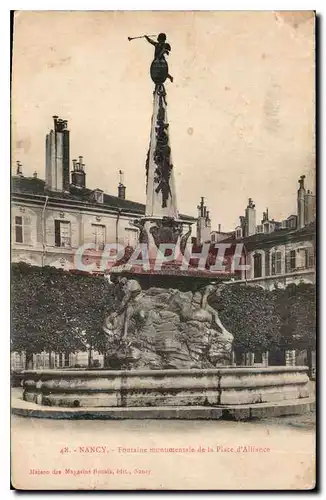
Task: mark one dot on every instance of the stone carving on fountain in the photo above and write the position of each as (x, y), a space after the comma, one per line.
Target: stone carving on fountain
(162, 328)
(162, 153)
(165, 230)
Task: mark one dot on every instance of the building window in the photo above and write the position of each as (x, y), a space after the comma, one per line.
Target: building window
(131, 238)
(257, 265)
(292, 260)
(301, 260)
(18, 229)
(99, 236)
(259, 229)
(62, 233)
(238, 233)
(266, 228)
(276, 263)
(267, 263)
(310, 257)
(213, 238)
(98, 195)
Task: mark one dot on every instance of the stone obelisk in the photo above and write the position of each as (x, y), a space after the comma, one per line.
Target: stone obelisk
(161, 198)
(161, 223)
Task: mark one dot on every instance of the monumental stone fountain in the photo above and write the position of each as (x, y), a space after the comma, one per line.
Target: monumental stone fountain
(166, 346)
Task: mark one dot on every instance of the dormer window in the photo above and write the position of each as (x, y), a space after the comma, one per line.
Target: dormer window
(259, 229)
(98, 195)
(238, 233)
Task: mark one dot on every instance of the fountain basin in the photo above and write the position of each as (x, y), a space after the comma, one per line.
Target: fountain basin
(158, 388)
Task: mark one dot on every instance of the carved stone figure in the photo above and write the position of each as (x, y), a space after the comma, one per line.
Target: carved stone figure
(125, 294)
(162, 328)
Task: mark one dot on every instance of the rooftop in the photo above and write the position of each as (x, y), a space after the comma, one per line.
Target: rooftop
(34, 186)
(277, 234)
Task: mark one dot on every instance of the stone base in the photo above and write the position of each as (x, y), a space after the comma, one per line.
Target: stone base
(166, 388)
(235, 412)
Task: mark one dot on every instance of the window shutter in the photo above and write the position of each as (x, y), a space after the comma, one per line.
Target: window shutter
(293, 261)
(267, 263)
(278, 256)
(273, 263)
(57, 239)
(27, 230)
(310, 257)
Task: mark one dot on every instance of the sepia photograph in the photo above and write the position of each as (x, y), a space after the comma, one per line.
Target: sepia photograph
(163, 250)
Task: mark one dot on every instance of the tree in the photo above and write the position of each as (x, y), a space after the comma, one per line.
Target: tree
(54, 310)
(249, 314)
(296, 306)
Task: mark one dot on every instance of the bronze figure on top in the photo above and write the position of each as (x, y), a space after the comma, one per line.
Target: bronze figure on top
(159, 68)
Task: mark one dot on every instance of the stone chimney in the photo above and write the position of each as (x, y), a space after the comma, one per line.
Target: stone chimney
(201, 207)
(250, 219)
(309, 207)
(19, 170)
(265, 217)
(78, 175)
(242, 220)
(203, 224)
(121, 187)
(57, 156)
(301, 202)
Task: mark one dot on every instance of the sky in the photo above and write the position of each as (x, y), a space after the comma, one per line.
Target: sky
(241, 107)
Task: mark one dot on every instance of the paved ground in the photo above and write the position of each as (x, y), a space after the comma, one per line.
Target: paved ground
(152, 454)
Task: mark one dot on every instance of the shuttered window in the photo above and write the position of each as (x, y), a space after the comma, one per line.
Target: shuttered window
(267, 263)
(23, 229)
(276, 263)
(257, 265)
(99, 236)
(290, 261)
(310, 257)
(27, 229)
(301, 258)
(62, 233)
(19, 229)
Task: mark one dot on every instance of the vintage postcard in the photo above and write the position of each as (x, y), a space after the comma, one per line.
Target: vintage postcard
(163, 242)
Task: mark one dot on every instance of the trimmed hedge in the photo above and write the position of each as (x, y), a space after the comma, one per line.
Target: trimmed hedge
(60, 311)
(56, 310)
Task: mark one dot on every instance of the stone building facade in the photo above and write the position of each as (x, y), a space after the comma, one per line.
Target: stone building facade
(279, 253)
(51, 220)
(49, 227)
